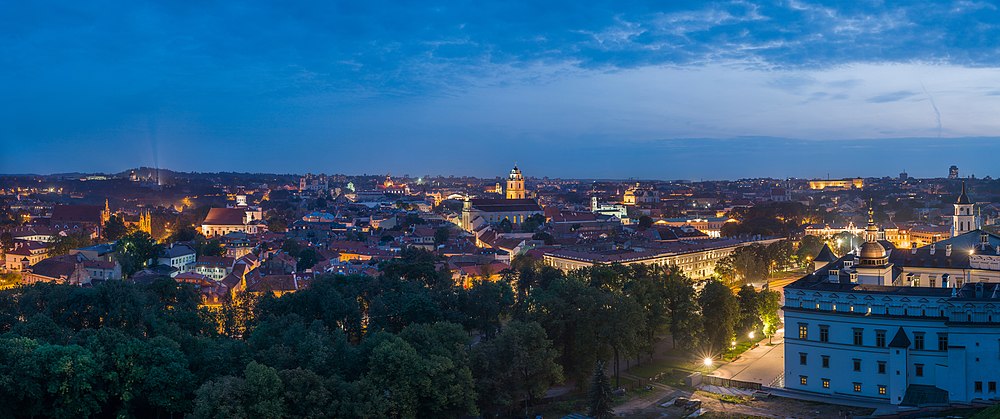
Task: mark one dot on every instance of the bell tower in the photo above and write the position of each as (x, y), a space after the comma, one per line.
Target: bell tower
(963, 220)
(515, 184)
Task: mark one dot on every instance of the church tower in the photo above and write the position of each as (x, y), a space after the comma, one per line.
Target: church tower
(964, 219)
(146, 222)
(873, 266)
(106, 214)
(515, 184)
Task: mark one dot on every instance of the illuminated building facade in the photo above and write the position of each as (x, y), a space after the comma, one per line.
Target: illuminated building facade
(856, 183)
(515, 184)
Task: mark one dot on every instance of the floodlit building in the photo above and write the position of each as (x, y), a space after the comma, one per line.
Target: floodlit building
(856, 183)
(907, 326)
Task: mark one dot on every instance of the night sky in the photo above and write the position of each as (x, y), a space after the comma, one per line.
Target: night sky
(669, 90)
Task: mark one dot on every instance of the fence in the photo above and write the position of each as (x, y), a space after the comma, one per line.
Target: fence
(727, 382)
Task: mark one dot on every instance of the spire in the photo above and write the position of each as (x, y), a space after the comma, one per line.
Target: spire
(963, 198)
(871, 232)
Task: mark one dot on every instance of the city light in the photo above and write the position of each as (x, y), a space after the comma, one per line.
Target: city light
(751, 335)
(707, 361)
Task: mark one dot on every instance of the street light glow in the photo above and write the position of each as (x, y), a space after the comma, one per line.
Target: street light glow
(751, 334)
(707, 362)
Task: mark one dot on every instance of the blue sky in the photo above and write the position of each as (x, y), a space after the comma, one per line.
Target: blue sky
(566, 88)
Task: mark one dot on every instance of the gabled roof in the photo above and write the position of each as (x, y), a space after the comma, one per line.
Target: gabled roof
(224, 216)
(900, 340)
(177, 250)
(56, 267)
(77, 214)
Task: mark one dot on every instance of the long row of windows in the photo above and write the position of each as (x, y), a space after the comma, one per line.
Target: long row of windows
(858, 335)
(855, 363)
(804, 380)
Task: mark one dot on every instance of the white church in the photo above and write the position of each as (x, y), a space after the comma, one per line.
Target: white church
(907, 326)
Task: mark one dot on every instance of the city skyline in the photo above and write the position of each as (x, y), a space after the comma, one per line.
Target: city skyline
(877, 158)
(405, 88)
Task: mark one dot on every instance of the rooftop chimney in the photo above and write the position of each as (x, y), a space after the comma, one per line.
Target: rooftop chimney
(979, 290)
(947, 250)
(984, 239)
(933, 248)
(913, 249)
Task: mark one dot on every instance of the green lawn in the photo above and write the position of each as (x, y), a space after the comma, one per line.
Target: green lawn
(741, 346)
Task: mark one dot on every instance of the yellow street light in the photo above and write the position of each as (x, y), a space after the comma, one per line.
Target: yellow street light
(707, 362)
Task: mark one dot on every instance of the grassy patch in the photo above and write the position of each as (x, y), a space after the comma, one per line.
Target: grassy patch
(726, 398)
(742, 346)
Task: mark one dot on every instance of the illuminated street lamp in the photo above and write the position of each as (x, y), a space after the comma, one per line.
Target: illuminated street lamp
(707, 361)
(751, 334)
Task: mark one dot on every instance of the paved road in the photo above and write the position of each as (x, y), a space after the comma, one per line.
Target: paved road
(762, 364)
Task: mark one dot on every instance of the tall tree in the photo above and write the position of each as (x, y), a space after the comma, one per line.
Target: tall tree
(749, 317)
(686, 322)
(135, 251)
(63, 244)
(488, 304)
(719, 309)
(600, 394)
(114, 228)
(769, 302)
(441, 235)
(516, 366)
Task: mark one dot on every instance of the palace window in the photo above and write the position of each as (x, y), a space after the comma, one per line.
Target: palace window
(803, 331)
(880, 338)
(881, 390)
(824, 333)
(881, 367)
(802, 358)
(805, 380)
(857, 387)
(918, 341)
(993, 386)
(918, 370)
(826, 383)
(859, 337)
(826, 361)
(979, 386)
(857, 364)
(942, 341)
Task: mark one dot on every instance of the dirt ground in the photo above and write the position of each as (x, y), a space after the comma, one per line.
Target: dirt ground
(775, 407)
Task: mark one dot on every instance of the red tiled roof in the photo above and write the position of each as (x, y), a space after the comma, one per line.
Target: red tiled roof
(77, 214)
(224, 216)
(24, 248)
(506, 205)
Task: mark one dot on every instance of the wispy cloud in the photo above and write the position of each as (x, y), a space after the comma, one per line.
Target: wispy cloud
(891, 96)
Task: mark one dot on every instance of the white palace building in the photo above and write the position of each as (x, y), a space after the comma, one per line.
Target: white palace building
(907, 326)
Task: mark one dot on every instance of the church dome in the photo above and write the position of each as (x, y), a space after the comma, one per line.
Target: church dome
(872, 250)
